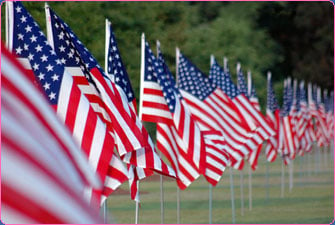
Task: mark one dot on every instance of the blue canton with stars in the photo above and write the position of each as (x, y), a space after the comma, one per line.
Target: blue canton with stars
(286, 101)
(272, 103)
(116, 69)
(223, 80)
(65, 47)
(302, 92)
(297, 99)
(192, 80)
(30, 42)
(242, 85)
(155, 72)
(253, 91)
(71, 48)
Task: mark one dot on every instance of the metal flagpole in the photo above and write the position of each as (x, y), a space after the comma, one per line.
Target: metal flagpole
(137, 204)
(238, 68)
(178, 191)
(158, 44)
(210, 188)
(242, 191)
(140, 110)
(107, 37)
(250, 171)
(291, 167)
(232, 194)
(250, 189)
(309, 169)
(178, 205)
(301, 163)
(267, 180)
(162, 199)
(325, 160)
(9, 25)
(282, 179)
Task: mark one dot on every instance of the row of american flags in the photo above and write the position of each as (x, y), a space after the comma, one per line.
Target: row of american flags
(91, 139)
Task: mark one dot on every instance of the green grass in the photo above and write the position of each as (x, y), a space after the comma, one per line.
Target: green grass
(310, 201)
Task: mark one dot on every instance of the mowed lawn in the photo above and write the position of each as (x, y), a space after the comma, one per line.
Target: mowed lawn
(311, 199)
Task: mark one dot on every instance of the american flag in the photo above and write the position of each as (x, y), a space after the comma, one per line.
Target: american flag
(306, 131)
(123, 121)
(273, 116)
(329, 106)
(188, 131)
(43, 171)
(289, 135)
(31, 46)
(117, 71)
(313, 106)
(216, 155)
(213, 110)
(294, 111)
(253, 157)
(157, 81)
(322, 127)
(251, 115)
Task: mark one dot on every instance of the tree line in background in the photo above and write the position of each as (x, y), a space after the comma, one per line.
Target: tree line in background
(288, 38)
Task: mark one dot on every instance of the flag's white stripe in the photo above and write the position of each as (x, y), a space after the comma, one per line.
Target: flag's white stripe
(156, 112)
(152, 85)
(212, 175)
(64, 97)
(79, 125)
(97, 144)
(112, 183)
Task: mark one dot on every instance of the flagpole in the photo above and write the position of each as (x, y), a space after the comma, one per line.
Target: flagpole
(210, 187)
(301, 163)
(107, 36)
(250, 171)
(225, 64)
(160, 176)
(291, 166)
(232, 194)
(137, 204)
(250, 189)
(178, 191)
(140, 109)
(267, 179)
(282, 179)
(9, 25)
(242, 191)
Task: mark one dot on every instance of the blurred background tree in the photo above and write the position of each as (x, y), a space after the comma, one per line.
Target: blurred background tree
(288, 38)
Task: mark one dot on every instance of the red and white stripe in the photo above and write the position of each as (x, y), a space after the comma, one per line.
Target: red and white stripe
(189, 151)
(272, 146)
(170, 144)
(44, 172)
(251, 114)
(253, 157)
(217, 159)
(217, 112)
